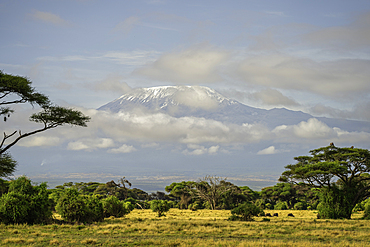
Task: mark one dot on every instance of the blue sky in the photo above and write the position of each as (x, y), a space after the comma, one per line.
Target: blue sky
(311, 56)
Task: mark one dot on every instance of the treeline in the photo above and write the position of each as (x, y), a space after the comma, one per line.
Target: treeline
(22, 201)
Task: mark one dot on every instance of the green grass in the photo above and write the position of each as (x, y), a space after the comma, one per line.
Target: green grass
(198, 228)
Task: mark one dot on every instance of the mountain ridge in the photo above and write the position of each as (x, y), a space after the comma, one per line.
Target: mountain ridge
(204, 102)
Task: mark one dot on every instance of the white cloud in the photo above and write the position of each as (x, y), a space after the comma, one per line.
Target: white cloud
(77, 145)
(194, 149)
(269, 150)
(195, 98)
(37, 141)
(159, 127)
(123, 149)
(191, 66)
(50, 18)
(90, 144)
(213, 149)
(313, 129)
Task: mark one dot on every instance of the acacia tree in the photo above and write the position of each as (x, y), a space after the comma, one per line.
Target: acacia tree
(17, 90)
(341, 174)
(212, 188)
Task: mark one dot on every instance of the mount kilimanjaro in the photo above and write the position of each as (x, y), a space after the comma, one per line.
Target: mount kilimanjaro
(204, 102)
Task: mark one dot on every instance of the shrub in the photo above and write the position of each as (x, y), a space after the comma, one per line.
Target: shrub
(25, 203)
(194, 206)
(281, 206)
(4, 186)
(95, 210)
(72, 207)
(367, 210)
(14, 208)
(114, 207)
(269, 206)
(245, 212)
(299, 206)
(160, 207)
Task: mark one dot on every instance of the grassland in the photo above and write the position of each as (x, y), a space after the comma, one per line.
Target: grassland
(198, 228)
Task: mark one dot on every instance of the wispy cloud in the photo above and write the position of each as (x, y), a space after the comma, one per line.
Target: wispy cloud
(269, 150)
(50, 18)
(127, 25)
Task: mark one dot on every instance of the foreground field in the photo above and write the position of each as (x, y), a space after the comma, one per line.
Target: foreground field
(199, 228)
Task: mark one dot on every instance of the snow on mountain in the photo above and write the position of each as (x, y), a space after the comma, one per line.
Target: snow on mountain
(204, 102)
(157, 98)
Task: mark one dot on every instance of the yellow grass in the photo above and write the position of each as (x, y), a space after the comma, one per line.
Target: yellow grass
(195, 228)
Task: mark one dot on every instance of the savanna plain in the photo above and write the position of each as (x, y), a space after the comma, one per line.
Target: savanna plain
(195, 228)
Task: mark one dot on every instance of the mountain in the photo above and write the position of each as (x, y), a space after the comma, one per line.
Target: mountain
(204, 102)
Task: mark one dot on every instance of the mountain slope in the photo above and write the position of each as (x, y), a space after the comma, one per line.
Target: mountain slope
(203, 102)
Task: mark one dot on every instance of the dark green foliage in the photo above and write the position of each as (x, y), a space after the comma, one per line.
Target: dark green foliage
(7, 165)
(299, 206)
(367, 210)
(25, 203)
(95, 210)
(72, 207)
(341, 174)
(53, 116)
(281, 206)
(4, 186)
(21, 88)
(289, 193)
(114, 207)
(194, 206)
(245, 212)
(14, 208)
(160, 207)
(335, 203)
(183, 192)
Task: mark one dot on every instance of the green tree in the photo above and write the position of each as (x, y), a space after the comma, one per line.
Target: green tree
(183, 192)
(17, 90)
(245, 212)
(341, 174)
(285, 192)
(160, 207)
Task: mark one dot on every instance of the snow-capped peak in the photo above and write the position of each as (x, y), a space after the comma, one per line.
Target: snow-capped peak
(164, 97)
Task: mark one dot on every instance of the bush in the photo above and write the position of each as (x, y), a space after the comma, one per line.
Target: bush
(245, 212)
(95, 210)
(160, 207)
(367, 210)
(299, 206)
(114, 207)
(281, 206)
(14, 208)
(25, 203)
(194, 206)
(72, 207)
